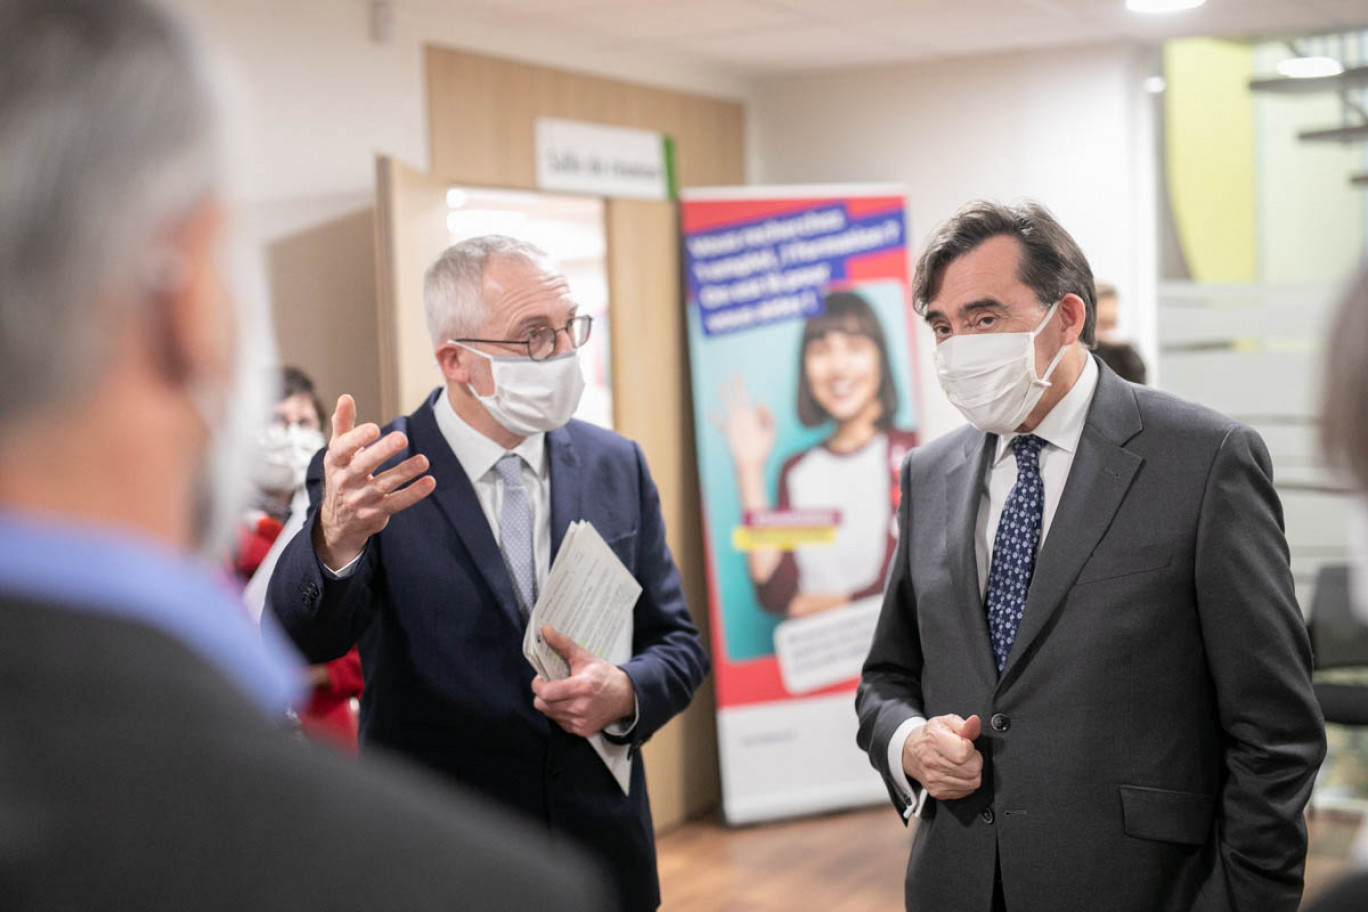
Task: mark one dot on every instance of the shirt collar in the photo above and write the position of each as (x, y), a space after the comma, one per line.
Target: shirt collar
(476, 453)
(1062, 425)
(123, 575)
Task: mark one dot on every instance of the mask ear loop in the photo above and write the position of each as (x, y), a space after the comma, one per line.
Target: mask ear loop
(470, 386)
(1045, 377)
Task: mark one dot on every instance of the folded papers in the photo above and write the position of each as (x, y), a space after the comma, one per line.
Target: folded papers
(589, 596)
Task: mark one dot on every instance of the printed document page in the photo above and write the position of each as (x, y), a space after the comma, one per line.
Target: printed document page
(589, 596)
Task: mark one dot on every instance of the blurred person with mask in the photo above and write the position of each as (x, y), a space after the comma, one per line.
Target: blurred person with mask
(437, 573)
(1090, 677)
(290, 438)
(1116, 352)
(143, 768)
(284, 447)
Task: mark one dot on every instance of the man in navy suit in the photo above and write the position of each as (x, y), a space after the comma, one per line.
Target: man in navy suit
(435, 573)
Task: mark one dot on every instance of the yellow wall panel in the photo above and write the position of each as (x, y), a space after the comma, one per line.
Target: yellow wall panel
(1209, 127)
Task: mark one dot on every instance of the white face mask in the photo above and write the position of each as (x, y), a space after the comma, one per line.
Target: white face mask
(531, 396)
(991, 378)
(283, 456)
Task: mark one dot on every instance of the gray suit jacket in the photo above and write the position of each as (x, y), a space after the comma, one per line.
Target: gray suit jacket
(1152, 741)
(133, 775)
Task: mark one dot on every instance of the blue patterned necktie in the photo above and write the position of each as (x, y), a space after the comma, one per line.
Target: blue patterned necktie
(515, 531)
(1014, 548)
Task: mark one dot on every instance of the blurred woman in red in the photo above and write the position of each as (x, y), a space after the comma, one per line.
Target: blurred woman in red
(285, 447)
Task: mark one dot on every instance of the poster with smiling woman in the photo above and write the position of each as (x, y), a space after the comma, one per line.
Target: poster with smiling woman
(801, 353)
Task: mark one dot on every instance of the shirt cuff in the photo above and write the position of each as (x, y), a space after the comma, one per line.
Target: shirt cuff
(916, 797)
(345, 571)
(621, 729)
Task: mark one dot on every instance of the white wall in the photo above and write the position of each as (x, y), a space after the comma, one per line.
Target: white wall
(1071, 128)
(324, 97)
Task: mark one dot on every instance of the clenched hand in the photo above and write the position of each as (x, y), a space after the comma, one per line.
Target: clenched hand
(596, 694)
(942, 757)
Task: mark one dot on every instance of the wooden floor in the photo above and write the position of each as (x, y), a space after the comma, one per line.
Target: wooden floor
(853, 862)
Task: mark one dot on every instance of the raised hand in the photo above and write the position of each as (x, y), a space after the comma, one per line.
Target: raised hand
(595, 695)
(356, 502)
(749, 429)
(942, 757)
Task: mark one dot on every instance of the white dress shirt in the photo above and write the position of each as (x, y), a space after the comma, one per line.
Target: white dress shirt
(477, 454)
(1061, 429)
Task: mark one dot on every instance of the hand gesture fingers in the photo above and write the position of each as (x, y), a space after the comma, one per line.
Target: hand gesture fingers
(370, 458)
(393, 479)
(406, 497)
(346, 437)
(344, 416)
(356, 503)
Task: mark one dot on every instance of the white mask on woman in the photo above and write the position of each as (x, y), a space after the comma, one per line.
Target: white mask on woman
(283, 456)
(531, 396)
(991, 377)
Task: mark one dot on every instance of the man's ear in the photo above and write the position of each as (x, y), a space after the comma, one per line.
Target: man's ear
(451, 358)
(193, 328)
(1073, 313)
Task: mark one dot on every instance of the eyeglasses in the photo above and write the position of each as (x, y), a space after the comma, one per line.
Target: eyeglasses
(541, 343)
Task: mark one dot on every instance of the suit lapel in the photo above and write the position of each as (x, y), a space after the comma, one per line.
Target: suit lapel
(456, 500)
(1101, 475)
(565, 497)
(963, 493)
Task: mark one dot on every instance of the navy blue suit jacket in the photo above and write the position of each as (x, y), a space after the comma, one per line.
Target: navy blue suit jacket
(433, 608)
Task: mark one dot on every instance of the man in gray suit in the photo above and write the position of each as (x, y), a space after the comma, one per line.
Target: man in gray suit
(143, 766)
(1090, 678)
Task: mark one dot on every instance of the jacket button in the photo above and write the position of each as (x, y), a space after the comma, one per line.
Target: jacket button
(1000, 722)
(987, 815)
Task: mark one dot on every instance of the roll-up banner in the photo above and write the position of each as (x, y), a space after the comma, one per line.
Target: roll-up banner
(800, 340)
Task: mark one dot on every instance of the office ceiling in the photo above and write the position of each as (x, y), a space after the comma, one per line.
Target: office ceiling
(766, 36)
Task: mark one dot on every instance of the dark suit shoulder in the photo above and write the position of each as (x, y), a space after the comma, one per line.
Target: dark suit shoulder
(945, 451)
(600, 439)
(137, 776)
(1166, 414)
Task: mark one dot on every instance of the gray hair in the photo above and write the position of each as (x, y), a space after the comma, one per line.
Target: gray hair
(1344, 412)
(1052, 263)
(453, 290)
(109, 133)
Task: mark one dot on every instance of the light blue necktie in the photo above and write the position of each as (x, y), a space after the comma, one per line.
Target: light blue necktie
(1014, 548)
(515, 531)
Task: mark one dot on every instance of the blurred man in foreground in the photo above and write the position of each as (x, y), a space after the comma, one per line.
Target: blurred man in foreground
(1090, 676)
(141, 768)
